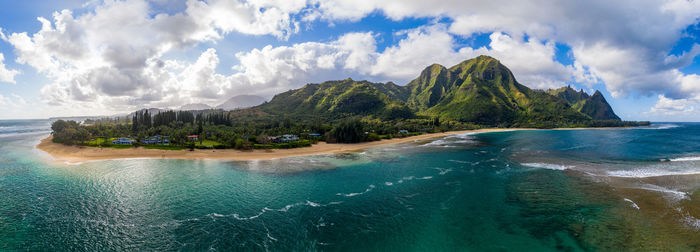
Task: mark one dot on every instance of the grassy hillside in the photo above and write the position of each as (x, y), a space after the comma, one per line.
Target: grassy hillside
(594, 106)
(339, 99)
(484, 91)
(478, 91)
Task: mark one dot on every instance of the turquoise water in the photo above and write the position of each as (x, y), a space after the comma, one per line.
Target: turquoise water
(615, 189)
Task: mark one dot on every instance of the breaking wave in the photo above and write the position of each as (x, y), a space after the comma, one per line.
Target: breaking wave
(369, 189)
(685, 159)
(647, 173)
(549, 166)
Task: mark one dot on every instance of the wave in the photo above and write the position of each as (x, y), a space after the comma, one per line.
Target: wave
(647, 173)
(678, 195)
(685, 159)
(548, 166)
(666, 126)
(632, 202)
(369, 189)
(449, 141)
(439, 143)
(443, 171)
(22, 134)
(691, 221)
(266, 209)
(464, 162)
(659, 126)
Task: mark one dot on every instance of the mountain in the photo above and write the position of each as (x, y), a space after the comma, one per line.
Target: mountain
(484, 91)
(195, 106)
(336, 99)
(241, 101)
(151, 111)
(479, 91)
(594, 106)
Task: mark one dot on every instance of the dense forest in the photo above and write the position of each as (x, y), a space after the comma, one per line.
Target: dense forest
(476, 93)
(219, 129)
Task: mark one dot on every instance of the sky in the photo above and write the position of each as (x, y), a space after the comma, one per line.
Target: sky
(73, 57)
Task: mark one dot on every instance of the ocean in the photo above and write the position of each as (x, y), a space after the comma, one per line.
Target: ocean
(545, 190)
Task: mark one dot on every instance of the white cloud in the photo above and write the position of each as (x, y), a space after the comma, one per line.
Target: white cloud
(680, 109)
(532, 61)
(666, 106)
(114, 53)
(6, 75)
(624, 44)
(111, 58)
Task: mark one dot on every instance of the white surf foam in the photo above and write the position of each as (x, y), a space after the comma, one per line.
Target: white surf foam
(443, 171)
(647, 173)
(369, 189)
(685, 159)
(678, 195)
(549, 166)
(632, 202)
(439, 143)
(691, 221)
(666, 126)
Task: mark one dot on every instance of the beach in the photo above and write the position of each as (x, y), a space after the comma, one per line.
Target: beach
(78, 154)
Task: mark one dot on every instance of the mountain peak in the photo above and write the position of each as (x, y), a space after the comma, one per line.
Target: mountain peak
(241, 101)
(486, 58)
(594, 105)
(195, 106)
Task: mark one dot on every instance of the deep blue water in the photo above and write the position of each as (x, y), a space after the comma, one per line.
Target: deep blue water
(612, 189)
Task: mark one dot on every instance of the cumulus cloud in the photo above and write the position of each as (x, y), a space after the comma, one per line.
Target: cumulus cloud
(624, 45)
(116, 50)
(532, 61)
(112, 57)
(6, 75)
(666, 106)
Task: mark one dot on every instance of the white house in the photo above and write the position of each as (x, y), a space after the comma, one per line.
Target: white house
(122, 140)
(289, 138)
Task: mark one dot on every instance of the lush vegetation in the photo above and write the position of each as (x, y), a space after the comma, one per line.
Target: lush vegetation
(594, 106)
(476, 93)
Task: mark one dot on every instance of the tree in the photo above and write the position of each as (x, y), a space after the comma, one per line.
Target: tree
(436, 121)
(348, 131)
(200, 129)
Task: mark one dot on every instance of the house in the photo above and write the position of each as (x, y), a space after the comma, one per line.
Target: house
(289, 138)
(193, 138)
(403, 131)
(123, 140)
(157, 139)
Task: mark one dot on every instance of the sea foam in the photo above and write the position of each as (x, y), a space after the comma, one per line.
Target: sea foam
(549, 166)
(632, 202)
(648, 173)
(685, 159)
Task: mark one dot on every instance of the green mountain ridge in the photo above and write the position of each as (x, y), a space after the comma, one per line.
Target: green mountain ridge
(594, 106)
(480, 91)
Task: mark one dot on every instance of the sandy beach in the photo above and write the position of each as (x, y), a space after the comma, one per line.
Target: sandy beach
(77, 154)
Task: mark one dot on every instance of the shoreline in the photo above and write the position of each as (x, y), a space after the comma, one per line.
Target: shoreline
(79, 154)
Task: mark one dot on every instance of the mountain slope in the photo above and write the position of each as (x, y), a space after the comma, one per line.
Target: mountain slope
(195, 106)
(241, 101)
(594, 106)
(335, 99)
(483, 91)
(479, 91)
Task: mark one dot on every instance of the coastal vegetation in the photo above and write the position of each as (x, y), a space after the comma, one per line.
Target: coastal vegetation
(476, 93)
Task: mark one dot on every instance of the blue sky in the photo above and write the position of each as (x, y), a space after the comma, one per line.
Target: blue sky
(105, 57)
